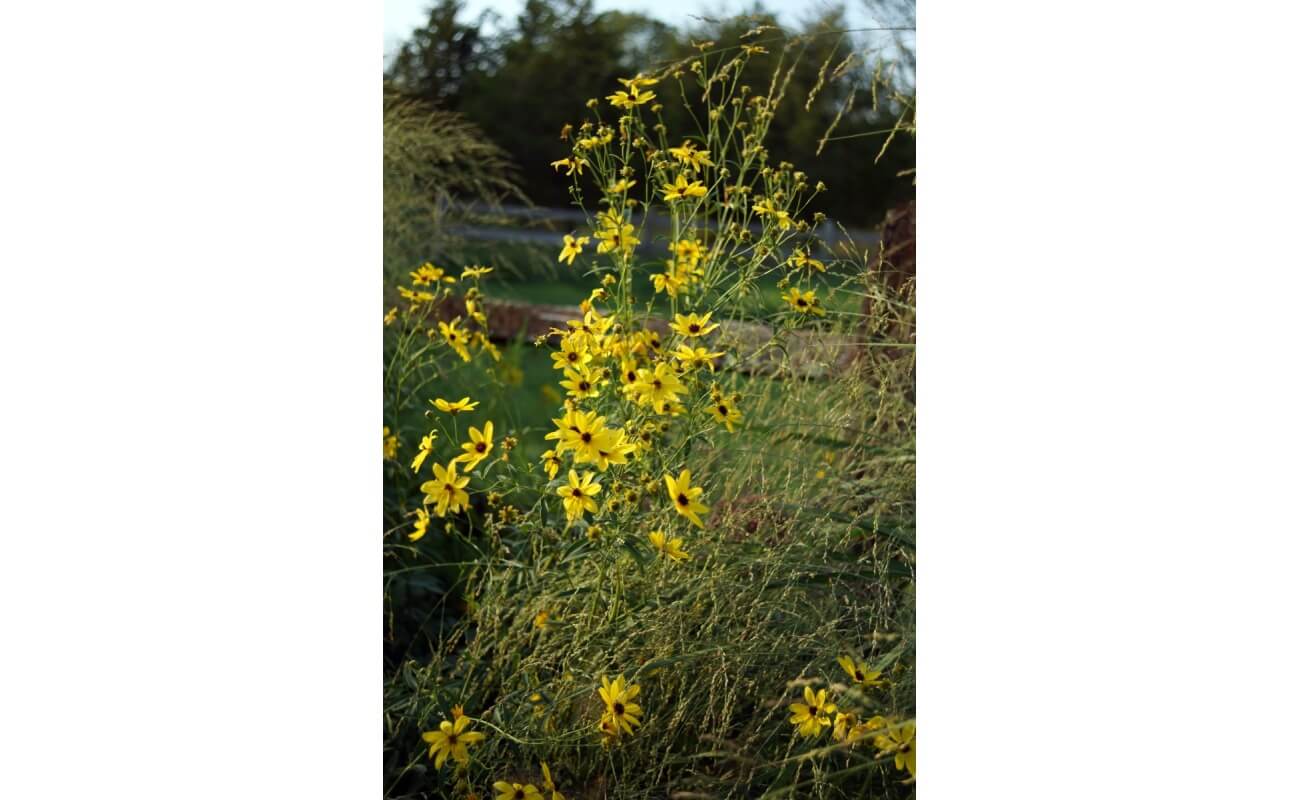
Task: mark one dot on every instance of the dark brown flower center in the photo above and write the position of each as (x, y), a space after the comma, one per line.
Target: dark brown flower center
(683, 500)
(722, 410)
(858, 676)
(577, 492)
(449, 487)
(573, 356)
(583, 386)
(694, 328)
(481, 446)
(618, 708)
(586, 437)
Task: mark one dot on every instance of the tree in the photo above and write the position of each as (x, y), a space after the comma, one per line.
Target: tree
(438, 60)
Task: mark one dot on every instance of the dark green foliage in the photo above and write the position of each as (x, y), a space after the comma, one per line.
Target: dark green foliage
(522, 83)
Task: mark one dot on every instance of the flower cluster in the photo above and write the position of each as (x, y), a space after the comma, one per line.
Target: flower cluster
(889, 736)
(645, 398)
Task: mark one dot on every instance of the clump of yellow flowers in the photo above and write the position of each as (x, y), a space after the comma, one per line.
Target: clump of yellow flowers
(890, 736)
(646, 392)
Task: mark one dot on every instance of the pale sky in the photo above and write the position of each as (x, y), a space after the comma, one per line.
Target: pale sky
(401, 16)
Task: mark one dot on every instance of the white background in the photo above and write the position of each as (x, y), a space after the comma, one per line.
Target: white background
(189, 432)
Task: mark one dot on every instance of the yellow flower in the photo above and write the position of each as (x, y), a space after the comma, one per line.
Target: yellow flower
(646, 340)
(802, 259)
(483, 343)
(804, 302)
(463, 404)
(426, 447)
(685, 497)
(877, 723)
(451, 740)
(688, 251)
(861, 674)
(633, 96)
(390, 445)
(627, 371)
(549, 784)
(592, 325)
(421, 525)
(678, 275)
(657, 388)
(698, 356)
(901, 742)
(427, 274)
(669, 548)
(688, 155)
(725, 412)
(574, 165)
(620, 186)
(847, 728)
(475, 311)
(564, 427)
(415, 298)
(682, 189)
(691, 325)
(669, 282)
(477, 448)
(390, 315)
(611, 447)
(812, 716)
(620, 712)
(578, 495)
(446, 490)
(572, 248)
(573, 352)
(474, 272)
(582, 383)
(539, 621)
(639, 82)
(551, 463)
(584, 433)
(455, 337)
(616, 234)
(513, 791)
(765, 207)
